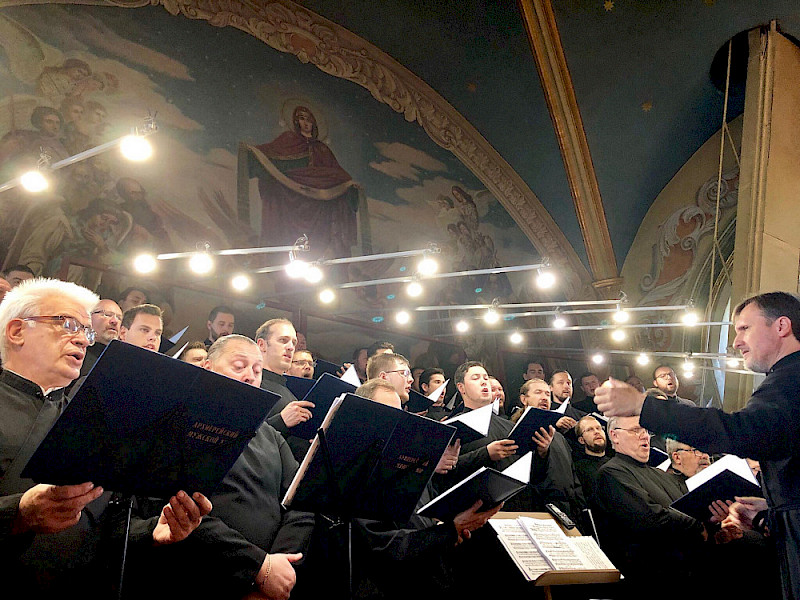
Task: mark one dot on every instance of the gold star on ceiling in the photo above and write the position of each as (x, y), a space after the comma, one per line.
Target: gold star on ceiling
(608, 5)
(647, 106)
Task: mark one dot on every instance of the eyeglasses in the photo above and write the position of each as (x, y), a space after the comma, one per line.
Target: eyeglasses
(405, 372)
(666, 376)
(71, 324)
(305, 363)
(108, 314)
(695, 451)
(637, 431)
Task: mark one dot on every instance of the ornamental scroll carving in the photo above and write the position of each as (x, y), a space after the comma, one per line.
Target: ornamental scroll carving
(290, 28)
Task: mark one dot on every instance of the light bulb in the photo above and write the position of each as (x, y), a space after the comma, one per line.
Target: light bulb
(34, 181)
(313, 274)
(240, 282)
(201, 263)
(688, 368)
(462, 327)
(491, 316)
(327, 296)
(297, 269)
(621, 316)
(427, 266)
(516, 338)
(414, 289)
(402, 317)
(145, 263)
(136, 148)
(643, 359)
(690, 318)
(559, 322)
(545, 280)
(598, 359)
(618, 335)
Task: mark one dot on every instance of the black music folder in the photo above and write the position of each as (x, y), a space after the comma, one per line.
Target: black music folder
(486, 484)
(656, 457)
(324, 391)
(299, 386)
(471, 425)
(726, 485)
(146, 424)
(372, 462)
(417, 402)
(529, 423)
(324, 366)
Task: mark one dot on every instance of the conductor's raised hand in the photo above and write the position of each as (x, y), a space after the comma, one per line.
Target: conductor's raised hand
(53, 508)
(296, 412)
(618, 399)
(180, 517)
(501, 449)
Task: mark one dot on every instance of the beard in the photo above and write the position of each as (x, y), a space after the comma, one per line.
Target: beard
(596, 446)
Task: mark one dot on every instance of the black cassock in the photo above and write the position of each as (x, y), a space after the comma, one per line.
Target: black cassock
(767, 430)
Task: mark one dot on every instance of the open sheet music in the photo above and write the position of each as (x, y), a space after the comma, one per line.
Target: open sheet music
(539, 546)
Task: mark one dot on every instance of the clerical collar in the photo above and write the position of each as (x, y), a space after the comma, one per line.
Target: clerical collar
(19, 382)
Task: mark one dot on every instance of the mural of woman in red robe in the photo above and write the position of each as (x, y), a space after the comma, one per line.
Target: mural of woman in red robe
(304, 190)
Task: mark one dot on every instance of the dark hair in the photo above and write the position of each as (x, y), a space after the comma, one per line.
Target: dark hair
(661, 367)
(587, 374)
(357, 351)
(40, 112)
(380, 345)
(380, 363)
(774, 305)
(296, 120)
(191, 346)
(556, 373)
(148, 309)
(462, 369)
(22, 268)
(124, 295)
(227, 310)
(426, 375)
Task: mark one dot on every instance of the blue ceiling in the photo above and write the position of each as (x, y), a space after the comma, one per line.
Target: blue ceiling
(640, 71)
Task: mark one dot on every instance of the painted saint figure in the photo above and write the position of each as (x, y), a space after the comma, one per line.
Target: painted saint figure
(304, 190)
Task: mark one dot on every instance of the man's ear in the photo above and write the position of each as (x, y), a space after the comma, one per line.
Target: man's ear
(123, 332)
(14, 332)
(262, 344)
(461, 388)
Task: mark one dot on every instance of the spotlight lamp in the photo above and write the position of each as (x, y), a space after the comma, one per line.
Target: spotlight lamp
(598, 358)
(545, 279)
(135, 147)
(516, 338)
(462, 326)
(621, 316)
(618, 335)
(34, 181)
(201, 262)
(559, 322)
(297, 268)
(427, 266)
(414, 289)
(690, 317)
(313, 274)
(144, 263)
(643, 359)
(402, 317)
(688, 369)
(327, 296)
(240, 282)
(491, 316)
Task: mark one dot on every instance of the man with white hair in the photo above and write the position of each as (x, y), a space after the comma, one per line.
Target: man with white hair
(49, 535)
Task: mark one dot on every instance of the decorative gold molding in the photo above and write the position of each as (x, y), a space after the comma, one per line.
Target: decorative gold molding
(288, 27)
(540, 23)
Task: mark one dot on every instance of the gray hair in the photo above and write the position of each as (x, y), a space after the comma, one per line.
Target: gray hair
(24, 300)
(217, 349)
(673, 446)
